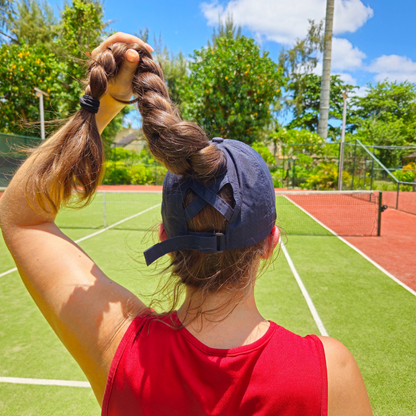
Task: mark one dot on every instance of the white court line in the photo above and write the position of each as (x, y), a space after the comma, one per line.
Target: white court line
(66, 383)
(305, 293)
(45, 382)
(96, 233)
(356, 249)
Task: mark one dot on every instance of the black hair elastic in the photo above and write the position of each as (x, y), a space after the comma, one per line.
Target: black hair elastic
(89, 103)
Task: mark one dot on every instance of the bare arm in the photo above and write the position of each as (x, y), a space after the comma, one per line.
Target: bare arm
(347, 394)
(88, 311)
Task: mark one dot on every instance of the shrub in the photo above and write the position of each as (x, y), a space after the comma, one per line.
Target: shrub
(118, 173)
(325, 177)
(264, 152)
(407, 174)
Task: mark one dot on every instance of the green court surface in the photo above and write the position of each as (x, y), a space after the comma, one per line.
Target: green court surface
(357, 303)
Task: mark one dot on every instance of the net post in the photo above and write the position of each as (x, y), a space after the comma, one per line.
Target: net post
(397, 197)
(104, 211)
(380, 204)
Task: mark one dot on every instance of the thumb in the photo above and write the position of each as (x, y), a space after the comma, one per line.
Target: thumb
(129, 66)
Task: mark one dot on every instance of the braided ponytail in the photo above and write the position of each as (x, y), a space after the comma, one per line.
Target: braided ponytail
(180, 145)
(71, 161)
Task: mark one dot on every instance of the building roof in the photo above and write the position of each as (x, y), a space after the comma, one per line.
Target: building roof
(125, 141)
(411, 156)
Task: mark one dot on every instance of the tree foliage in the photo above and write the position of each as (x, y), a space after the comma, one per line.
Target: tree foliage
(81, 29)
(30, 22)
(49, 55)
(306, 112)
(231, 88)
(21, 69)
(386, 116)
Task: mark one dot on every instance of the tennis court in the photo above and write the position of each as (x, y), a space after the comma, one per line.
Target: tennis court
(317, 284)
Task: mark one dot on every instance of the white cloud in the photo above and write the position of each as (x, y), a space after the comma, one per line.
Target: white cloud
(283, 21)
(347, 78)
(393, 67)
(345, 56)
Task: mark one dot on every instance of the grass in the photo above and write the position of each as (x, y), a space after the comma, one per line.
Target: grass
(358, 304)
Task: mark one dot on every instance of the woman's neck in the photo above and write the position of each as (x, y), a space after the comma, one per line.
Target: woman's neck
(222, 324)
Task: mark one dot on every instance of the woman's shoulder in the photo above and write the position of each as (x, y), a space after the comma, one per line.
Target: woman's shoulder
(346, 389)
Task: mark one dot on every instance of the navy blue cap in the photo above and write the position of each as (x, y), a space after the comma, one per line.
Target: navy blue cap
(249, 222)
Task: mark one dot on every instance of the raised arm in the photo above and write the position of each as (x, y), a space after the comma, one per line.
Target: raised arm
(88, 311)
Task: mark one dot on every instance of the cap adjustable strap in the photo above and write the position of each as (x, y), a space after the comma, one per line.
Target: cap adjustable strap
(209, 197)
(201, 242)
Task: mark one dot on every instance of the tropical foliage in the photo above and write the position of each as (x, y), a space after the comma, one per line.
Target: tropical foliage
(231, 88)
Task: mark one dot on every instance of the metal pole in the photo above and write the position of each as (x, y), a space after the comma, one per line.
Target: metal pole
(293, 174)
(341, 148)
(40, 94)
(42, 119)
(372, 173)
(353, 165)
(104, 211)
(397, 197)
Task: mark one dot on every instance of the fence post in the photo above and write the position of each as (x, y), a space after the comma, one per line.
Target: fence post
(353, 165)
(397, 198)
(380, 204)
(104, 211)
(293, 174)
(372, 172)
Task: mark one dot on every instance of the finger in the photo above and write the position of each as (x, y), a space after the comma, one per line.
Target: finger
(120, 37)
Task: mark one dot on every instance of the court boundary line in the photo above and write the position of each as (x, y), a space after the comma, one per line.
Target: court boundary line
(96, 233)
(305, 293)
(382, 269)
(45, 382)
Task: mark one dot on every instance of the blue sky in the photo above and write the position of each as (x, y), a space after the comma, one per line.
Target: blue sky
(374, 39)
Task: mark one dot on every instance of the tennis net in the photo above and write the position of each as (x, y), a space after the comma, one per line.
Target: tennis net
(118, 209)
(345, 213)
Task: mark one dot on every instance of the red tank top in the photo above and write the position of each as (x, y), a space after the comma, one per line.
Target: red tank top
(161, 371)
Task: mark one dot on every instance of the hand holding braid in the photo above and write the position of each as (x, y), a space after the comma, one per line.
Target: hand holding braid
(71, 161)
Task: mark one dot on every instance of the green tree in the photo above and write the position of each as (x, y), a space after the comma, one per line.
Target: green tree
(174, 65)
(30, 22)
(301, 58)
(21, 69)
(225, 29)
(306, 112)
(81, 30)
(52, 60)
(231, 88)
(386, 116)
(388, 101)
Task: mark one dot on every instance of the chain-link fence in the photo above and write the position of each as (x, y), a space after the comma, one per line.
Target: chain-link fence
(316, 166)
(13, 150)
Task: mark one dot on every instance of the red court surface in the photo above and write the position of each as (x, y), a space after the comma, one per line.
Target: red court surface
(346, 215)
(407, 201)
(395, 250)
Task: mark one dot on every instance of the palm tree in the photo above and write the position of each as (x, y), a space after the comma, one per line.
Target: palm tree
(326, 71)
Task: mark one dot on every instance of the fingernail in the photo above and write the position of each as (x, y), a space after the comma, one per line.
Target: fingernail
(132, 55)
(149, 47)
